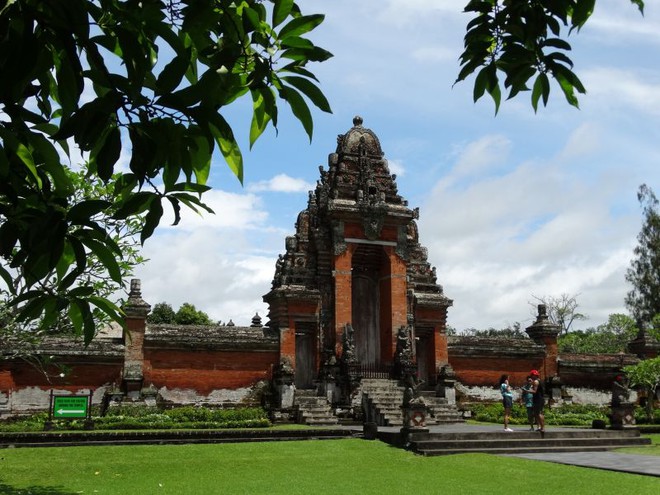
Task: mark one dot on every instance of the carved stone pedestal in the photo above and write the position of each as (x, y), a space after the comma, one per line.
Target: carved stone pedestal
(414, 421)
(414, 415)
(446, 383)
(623, 416)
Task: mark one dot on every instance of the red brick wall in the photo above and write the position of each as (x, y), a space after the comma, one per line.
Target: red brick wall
(205, 371)
(87, 375)
(485, 371)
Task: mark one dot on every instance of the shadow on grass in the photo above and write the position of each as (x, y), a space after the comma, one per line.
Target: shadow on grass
(33, 490)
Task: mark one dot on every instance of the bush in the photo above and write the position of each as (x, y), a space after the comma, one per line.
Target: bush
(566, 414)
(146, 418)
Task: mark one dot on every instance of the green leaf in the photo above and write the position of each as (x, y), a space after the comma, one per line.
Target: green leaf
(172, 74)
(26, 157)
(177, 209)
(105, 256)
(9, 282)
(226, 141)
(541, 89)
(581, 12)
(135, 204)
(299, 108)
(310, 90)
(76, 317)
(557, 43)
(260, 114)
(109, 154)
(300, 25)
(152, 219)
(480, 83)
(109, 308)
(281, 11)
(85, 210)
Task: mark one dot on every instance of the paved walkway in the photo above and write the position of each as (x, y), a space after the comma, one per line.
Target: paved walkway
(648, 465)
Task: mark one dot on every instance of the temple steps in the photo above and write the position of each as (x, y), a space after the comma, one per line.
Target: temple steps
(313, 410)
(521, 442)
(382, 400)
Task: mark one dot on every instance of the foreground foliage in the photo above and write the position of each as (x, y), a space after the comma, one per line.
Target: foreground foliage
(312, 466)
(143, 418)
(525, 42)
(95, 81)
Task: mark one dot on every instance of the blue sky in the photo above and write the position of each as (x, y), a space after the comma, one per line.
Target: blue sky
(511, 206)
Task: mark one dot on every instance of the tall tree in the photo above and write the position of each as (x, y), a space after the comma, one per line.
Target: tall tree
(562, 310)
(147, 78)
(525, 42)
(643, 300)
(188, 314)
(161, 313)
(608, 338)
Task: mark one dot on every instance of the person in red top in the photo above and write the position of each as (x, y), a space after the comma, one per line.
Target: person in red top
(538, 401)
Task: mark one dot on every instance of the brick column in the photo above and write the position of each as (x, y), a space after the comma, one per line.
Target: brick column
(544, 332)
(343, 294)
(398, 295)
(136, 311)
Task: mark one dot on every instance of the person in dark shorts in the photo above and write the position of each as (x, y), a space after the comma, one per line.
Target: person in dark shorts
(538, 401)
(528, 402)
(507, 400)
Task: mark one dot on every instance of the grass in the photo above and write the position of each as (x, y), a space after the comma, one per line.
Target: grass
(305, 467)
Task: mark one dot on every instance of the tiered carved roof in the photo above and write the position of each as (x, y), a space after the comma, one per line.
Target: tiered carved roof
(357, 187)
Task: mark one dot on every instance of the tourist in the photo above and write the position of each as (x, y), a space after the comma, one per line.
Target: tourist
(538, 401)
(507, 400)
(528, 402)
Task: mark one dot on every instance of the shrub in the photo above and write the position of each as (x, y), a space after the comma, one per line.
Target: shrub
(143, 418)
(566, 414)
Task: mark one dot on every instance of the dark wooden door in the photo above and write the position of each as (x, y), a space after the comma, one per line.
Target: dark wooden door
(305, 362)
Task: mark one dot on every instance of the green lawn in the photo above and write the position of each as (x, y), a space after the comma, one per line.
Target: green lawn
(304, 467)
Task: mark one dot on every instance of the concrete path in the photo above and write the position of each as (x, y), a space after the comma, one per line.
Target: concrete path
(648, 465)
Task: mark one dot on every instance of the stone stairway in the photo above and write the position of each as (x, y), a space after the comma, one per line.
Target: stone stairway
(440, 411)
(310, 409)
(382, 400)
(521, 442)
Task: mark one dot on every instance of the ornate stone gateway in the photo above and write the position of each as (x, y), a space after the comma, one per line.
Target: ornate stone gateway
(355, 272)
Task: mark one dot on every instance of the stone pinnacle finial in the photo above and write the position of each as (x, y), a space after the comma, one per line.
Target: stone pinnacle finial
(357, 121)
(136, 306)
(256, 321)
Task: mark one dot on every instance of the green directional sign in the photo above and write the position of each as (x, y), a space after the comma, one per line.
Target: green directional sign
(70, 406)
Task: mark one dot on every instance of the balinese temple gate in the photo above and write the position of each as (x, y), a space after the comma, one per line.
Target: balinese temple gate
(354, 296)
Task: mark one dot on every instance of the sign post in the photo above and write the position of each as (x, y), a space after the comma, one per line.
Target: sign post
(70, 407)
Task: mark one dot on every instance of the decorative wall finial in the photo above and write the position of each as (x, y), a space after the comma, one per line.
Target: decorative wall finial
(357, 121)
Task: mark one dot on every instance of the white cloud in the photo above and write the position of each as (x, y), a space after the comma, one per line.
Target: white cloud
(281, 183)
(232, 211)
(533, 230)
(624, 89)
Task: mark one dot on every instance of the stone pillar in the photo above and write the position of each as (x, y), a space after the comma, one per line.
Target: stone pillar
(446, 382)
(136, 311)
(544, 332)
(283, 380)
